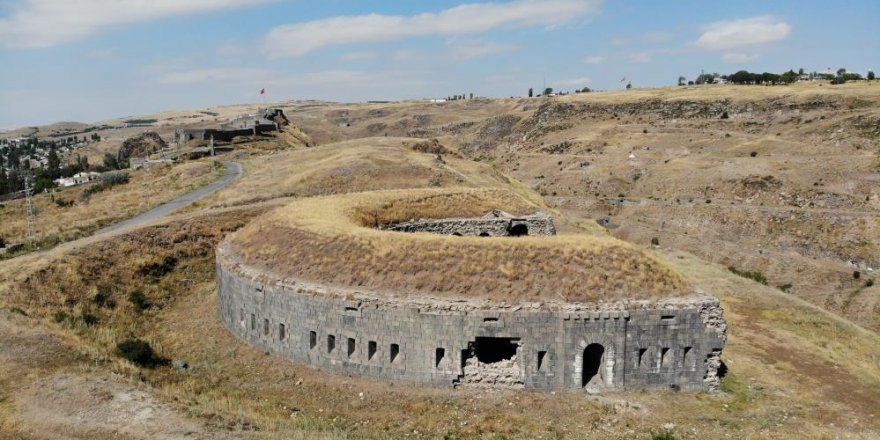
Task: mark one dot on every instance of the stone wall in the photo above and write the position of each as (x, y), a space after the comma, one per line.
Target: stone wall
(621, 346)
(493, 224)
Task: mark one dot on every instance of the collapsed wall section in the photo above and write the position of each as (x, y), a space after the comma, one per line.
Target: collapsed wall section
(612, 347)
(493, 224)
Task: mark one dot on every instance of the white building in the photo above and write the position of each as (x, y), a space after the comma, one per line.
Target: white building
(78, 179)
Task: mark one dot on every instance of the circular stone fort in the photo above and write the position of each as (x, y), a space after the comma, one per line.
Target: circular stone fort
(465, 288)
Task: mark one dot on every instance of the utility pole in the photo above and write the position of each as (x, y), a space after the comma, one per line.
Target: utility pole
(30, 212)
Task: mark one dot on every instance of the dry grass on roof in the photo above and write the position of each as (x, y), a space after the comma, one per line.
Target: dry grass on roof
(322, 241)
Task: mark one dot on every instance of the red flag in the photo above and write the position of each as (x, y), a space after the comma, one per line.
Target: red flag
(263, 91)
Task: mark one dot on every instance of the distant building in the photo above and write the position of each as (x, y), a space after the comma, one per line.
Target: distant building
(266, 120)
(78, 179)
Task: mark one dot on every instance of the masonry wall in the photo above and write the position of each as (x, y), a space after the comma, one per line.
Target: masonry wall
(643, 348)
(488, 226)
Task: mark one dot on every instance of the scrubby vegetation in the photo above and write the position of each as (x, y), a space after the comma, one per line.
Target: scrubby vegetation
(754, 276)
(108, 180)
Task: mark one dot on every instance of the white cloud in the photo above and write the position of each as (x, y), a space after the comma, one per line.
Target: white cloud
(267, 77)
(594, 60)
(301, 38)
(219, 74)
(731, 34)
(738, 58)
(583, 81)
(46, 23)
(641, 57)
(476, 48)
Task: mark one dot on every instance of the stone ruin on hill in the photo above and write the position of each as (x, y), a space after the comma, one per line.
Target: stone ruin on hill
(264, 121)
(494, 224)
(142, 145)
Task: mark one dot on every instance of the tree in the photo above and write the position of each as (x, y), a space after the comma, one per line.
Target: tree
(471, 96)
(870, 75)
(548, 91)
(789, 77)
(110, 162)
(800, 71)
(681, 80)
(841, 71)
(629, 85)
(53, 164)
(531, 92)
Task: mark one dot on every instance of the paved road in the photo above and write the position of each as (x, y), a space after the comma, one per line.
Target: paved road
(233, 171)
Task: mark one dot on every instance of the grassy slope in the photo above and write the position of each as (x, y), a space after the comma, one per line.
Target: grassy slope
(795, 371)
(146, 189)
(323, 240)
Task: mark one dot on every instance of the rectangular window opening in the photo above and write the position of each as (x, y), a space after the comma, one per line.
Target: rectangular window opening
(665, 357)
(541, 355)
(253, 321)
(282, 332)
(395, 350)
(351, 309)
(667, 318)
(371, 350)
(490, 319)
(331, 343)
(265, 326)
(686, 358)
(351, 346)
(313, 339)
(438, 356)
(642, 352)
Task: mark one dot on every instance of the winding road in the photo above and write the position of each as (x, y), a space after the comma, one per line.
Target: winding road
(233, 171)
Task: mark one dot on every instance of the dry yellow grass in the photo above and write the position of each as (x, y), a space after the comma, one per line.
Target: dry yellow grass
(324, 240)
(146, 189)
(795, 372)
(362, 165)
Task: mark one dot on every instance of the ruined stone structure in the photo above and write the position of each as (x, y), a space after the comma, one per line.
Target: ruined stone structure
(494, 224)
(266, 120)
(674, 343)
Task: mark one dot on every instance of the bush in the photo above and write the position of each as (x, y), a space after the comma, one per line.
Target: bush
(655, 241)
(158, 269)
(138, 300)
(108, 180)
(2, 242)
(869, 283)
(664, 435)
(104, 299)
(138, 352)
(725, 115)
(112, 179)
(785, 287)
(60, 316)
(857, 275)
(62, 203)
(753, 154)
(755, 276)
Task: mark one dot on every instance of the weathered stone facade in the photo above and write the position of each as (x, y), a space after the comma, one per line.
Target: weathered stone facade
(674, 343)
(266, 120)
(494, 224)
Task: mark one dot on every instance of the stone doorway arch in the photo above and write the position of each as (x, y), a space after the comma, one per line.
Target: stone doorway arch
(592, 370)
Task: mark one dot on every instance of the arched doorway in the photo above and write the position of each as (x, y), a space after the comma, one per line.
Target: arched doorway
(519, 230)
(591, 372)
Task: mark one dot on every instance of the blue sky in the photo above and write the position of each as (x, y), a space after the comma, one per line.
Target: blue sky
(87, 60)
